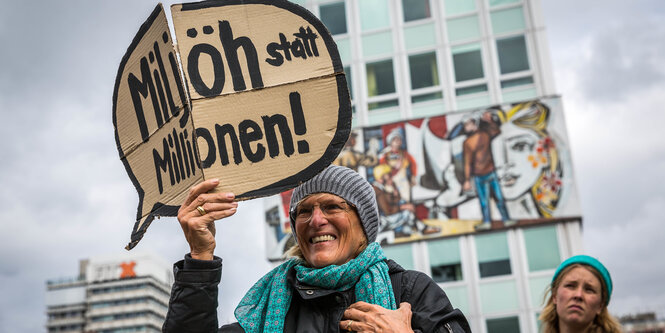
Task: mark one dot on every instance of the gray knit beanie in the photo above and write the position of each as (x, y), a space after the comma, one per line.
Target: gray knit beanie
(348, 185)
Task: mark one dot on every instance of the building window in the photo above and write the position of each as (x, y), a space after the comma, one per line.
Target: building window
(468, 63)
(445, 260)
(415, 9)
(456, 7)
(542, 248)
(426, 97)
(333, 17)
(424, 72)
(505, 84)
(508, 20)
(380, 78)
(374, 14)
(463, 28)
(471, 90)
(493, 254)
(512, 54)
(402, 254)
(382, 104)
(503, 325)
(494, 3)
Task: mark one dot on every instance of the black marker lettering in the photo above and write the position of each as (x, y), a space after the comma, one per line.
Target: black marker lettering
(249, 132)
(221, 132)
(162, 164)
(179, 154)
(271, 137)
(190, 153)
(285, 46)
(302, 47)
(195, 76)
(140, 89)
(162, 99)
(167, 85)
(205, 135)
(184, 153)
(231, 47)
(298, 49)
(299, 125)
(311, 37)
(273, 50)
(302, 34)
(174, 160)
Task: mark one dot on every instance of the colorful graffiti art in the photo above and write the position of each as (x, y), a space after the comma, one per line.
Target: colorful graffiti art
(467, 171)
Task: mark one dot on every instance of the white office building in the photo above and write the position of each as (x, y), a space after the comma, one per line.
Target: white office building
(112, 294)
(420, 69)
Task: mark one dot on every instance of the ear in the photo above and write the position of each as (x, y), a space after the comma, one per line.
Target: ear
(553, 296)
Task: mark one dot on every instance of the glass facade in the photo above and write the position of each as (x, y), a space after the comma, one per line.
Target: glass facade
(415, 9)
(542, 248)
(401, 254)
(512, 54)
(503, 325)
(458, 46)
(380, 78)
(334, 17)
(456, 7)
(467, 63)
(423, 69)
(444, 260)
(493, 254)
(374, 14)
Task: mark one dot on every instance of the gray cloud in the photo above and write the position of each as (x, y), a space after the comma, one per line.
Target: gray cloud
(624, 59)
(608, 67)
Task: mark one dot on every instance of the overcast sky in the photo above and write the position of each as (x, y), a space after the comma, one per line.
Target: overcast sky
(64, 194)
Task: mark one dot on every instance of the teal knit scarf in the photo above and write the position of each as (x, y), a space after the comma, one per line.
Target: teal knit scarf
(264, 307)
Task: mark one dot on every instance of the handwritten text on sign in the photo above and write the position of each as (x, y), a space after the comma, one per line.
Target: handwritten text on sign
(263, 106)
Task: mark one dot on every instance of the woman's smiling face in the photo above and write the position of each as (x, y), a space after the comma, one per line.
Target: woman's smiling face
(328, 230)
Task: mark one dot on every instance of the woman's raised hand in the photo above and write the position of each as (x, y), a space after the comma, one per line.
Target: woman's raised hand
(198, 214)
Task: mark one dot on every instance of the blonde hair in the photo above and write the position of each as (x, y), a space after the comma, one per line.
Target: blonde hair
(602, 323)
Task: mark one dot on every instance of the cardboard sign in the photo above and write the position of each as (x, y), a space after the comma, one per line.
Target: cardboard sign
(268, 104)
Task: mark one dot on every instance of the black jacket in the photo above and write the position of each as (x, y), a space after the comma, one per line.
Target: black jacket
(193, 303)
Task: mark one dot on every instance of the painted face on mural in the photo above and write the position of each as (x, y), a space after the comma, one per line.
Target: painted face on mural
(516, 159)
(396, 144)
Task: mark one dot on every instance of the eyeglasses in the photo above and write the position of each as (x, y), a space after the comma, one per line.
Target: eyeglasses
(304, 212)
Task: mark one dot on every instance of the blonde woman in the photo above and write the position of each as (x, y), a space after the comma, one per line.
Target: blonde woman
(579, 295)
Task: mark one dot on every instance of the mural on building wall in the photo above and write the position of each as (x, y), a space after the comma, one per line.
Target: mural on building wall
(458, 173)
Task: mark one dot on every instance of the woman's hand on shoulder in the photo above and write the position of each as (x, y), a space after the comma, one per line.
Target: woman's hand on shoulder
(198, 214)
(365, 317)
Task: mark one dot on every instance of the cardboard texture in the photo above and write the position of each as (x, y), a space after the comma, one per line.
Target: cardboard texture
(269, 103)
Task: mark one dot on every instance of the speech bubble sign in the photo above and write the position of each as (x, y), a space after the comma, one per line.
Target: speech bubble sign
(265, 105)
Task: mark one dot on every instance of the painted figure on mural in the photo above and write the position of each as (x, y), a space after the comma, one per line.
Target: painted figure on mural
(403, 169)
(479, 165)
(524, 157)
(351, 158)
(396, 214)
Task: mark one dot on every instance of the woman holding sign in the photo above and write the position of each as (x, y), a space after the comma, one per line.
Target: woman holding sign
(337, 278)
(579, 295)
